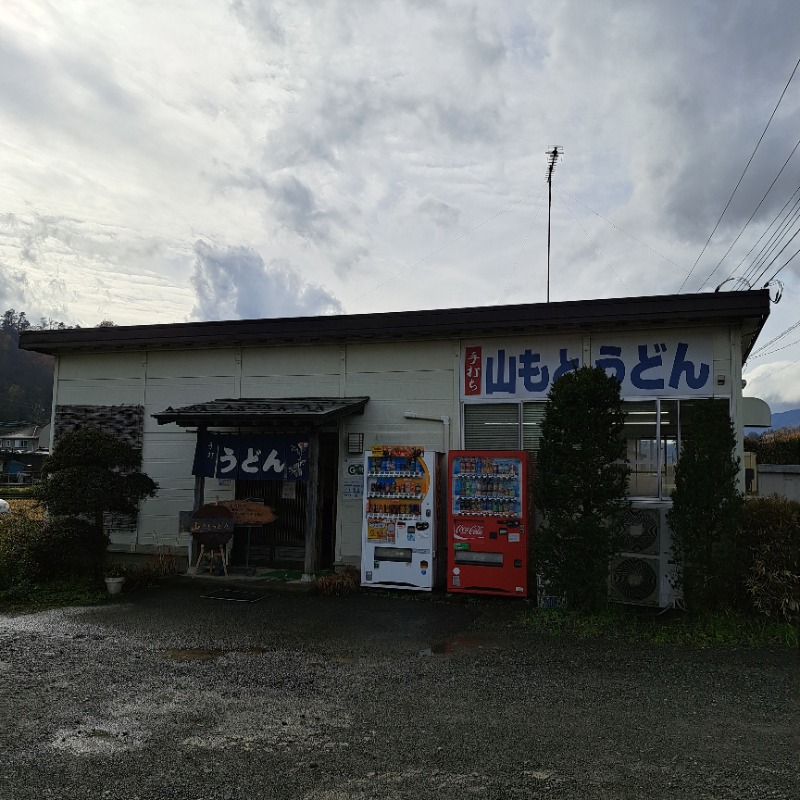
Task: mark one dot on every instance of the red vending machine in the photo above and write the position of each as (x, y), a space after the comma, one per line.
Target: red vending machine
(487, 542)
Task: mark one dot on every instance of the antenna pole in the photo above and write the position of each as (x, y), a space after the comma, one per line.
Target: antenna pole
(553, 157)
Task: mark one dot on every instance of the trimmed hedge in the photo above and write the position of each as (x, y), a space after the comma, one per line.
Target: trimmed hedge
(34, 550)
(771, 526)
(775, 447)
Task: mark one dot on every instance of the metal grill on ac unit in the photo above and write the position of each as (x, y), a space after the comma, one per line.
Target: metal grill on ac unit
(635, 579)
(642, 532)
(643, 572)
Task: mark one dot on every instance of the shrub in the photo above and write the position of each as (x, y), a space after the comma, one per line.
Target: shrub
(33, 550)
(775, 447)
(16, 529)
(90, 472)
(771, 526)
(706, 511)
(581, 485)
(345, 582)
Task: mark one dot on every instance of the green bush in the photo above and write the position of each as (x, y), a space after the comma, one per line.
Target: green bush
(33, 550)
(706, 512)
(771, 526)
(775, 447)
(581, 486)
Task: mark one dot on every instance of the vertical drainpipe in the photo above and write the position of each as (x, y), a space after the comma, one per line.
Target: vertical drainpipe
(54, 403)
(736, 399)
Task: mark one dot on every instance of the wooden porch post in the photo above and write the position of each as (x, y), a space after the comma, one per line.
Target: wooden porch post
(199, 499)
(310, 565)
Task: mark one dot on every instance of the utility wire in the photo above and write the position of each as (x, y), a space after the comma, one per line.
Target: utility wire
(749, 161)
(776, 350)
(770, 244)
(775, 339)
(519, 256)
(792, 258)
(596, 248)
(774, 372)
(775, 257)
(752, 215)
(443, 247)
(622, 230)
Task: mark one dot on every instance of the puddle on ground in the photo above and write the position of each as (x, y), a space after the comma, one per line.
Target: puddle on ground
(454, 645)
(207, 654)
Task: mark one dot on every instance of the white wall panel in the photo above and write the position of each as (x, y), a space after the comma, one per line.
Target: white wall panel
(384, 357)
(85, 366)
(269, 362)
(291, 386)
(113, 392)
(172, 364)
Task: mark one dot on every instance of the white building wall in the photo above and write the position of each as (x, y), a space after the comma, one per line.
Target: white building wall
(420, 377)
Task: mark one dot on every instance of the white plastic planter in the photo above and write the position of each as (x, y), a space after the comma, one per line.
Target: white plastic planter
(114, 585)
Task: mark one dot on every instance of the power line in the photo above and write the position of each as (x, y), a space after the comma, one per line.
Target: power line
(786, 264)
(596, 248)
(776, 350)
(622, 230)
(774, 372)
(752, 215)
(443, 247)
(775, 339)
(749, 161)
(770, 244)
(775, 257)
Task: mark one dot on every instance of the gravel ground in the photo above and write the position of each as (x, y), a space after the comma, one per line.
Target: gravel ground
(166, 694)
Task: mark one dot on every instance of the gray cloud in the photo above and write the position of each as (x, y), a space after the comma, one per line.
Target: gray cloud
(383, 150)
(235, 283)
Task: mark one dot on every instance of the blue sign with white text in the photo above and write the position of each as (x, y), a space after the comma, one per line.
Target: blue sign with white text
(251, 457)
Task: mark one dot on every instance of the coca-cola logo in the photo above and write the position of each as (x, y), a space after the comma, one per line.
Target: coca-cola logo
(468, 530)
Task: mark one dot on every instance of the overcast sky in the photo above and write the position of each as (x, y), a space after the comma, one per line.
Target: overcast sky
(217, 159)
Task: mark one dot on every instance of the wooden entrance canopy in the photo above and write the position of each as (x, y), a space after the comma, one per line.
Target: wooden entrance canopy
(295, 413)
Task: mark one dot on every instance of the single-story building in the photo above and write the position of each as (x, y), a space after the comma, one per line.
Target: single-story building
(288, 406)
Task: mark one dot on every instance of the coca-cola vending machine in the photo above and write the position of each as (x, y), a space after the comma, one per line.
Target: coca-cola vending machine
(487, 542)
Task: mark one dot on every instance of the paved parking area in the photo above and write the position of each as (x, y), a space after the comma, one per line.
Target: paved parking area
(167, 694)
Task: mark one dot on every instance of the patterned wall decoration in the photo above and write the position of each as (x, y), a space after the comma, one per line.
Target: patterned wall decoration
(126, 422)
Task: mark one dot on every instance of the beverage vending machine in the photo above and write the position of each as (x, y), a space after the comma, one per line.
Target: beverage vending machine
(487, 542)
(398, 546)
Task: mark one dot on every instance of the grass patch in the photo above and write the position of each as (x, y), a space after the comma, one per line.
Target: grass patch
(717, 629)
(55, 594)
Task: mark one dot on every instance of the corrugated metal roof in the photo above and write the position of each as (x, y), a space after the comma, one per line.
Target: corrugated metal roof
(249, 412)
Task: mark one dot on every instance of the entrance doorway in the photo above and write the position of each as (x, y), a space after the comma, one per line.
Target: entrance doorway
(281, 544)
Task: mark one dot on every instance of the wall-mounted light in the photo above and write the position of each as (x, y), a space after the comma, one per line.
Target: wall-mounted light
(720, 380)
(355, 443)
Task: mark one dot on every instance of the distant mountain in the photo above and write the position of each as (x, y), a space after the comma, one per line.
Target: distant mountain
(786, 419)
(782, 419)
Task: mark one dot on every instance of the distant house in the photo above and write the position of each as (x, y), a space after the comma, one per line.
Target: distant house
(23, 448)
(25, 439)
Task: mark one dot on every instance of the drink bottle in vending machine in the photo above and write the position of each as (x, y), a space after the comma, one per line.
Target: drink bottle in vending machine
(487, 542)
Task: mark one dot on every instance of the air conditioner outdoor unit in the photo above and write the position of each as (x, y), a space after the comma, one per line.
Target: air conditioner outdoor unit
(643, 572)
(635, 579)
(642, 531)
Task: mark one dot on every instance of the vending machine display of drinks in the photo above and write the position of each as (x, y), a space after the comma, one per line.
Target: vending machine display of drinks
(487, 542)
(398, 545)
